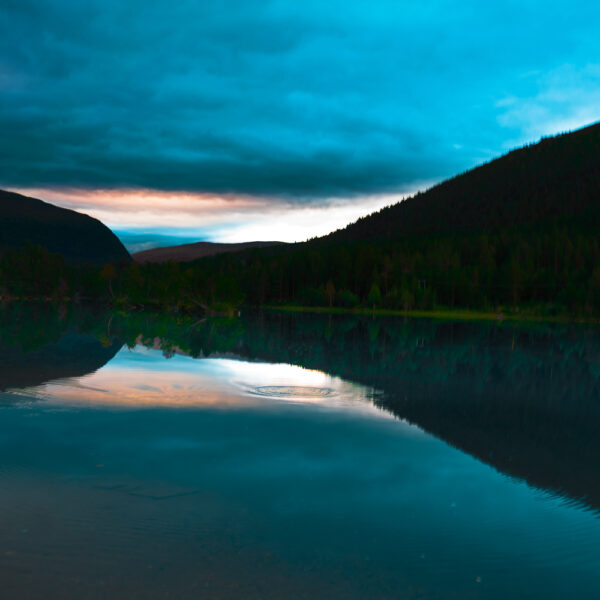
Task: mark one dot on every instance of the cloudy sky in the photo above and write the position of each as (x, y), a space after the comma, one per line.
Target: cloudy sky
(232, 120)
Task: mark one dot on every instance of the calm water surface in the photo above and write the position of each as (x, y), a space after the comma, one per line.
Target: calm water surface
(141, 472)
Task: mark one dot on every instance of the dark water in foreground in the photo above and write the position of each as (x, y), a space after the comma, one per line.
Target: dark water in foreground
(306, 457)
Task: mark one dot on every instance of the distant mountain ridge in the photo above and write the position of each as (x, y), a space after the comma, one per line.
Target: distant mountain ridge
(190, 252)
(555, 179)
(79, 238)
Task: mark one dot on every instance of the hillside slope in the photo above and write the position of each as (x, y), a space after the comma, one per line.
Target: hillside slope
(80, 238)
(519, 233)
(556, 179)
(189, 252)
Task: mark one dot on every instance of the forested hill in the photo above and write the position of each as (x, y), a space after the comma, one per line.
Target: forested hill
(79, 238)
(189, 252)
(556, 179)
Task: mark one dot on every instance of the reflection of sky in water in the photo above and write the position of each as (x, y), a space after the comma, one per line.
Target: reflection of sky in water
(143, 377)
(305, 498)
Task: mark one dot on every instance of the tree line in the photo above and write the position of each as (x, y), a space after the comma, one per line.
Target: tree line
(545, 271)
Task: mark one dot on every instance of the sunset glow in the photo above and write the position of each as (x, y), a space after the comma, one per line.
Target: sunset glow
(143, 379)
(218, 218)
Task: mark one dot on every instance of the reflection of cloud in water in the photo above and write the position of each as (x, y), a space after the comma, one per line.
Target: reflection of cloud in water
(144, 378)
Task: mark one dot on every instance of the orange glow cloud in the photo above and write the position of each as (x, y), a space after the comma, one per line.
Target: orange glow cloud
(128, 388)
(231, 218)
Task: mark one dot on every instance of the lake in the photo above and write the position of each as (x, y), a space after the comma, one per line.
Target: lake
(296, 456)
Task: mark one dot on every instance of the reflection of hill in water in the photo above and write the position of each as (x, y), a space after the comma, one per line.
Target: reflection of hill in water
(40, 344)
(524, 400)
(73, 355)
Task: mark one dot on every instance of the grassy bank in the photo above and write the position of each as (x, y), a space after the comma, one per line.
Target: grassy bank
(438, 313)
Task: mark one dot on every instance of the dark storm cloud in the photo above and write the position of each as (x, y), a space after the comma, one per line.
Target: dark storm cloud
(302, 100)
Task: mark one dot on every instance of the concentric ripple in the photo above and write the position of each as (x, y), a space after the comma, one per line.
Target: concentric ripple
(293, 391)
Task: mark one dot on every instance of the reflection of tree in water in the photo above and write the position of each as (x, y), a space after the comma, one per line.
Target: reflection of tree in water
(524, 399)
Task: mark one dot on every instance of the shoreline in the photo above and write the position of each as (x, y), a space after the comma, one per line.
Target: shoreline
(438, 314)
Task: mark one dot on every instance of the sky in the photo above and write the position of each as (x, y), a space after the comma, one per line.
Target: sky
(229, 120)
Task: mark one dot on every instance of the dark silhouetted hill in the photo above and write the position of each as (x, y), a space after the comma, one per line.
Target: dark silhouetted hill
(80, 238)
(189, 252)
(555, 180)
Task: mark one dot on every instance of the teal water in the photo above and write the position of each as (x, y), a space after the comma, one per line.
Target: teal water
(143, 472)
